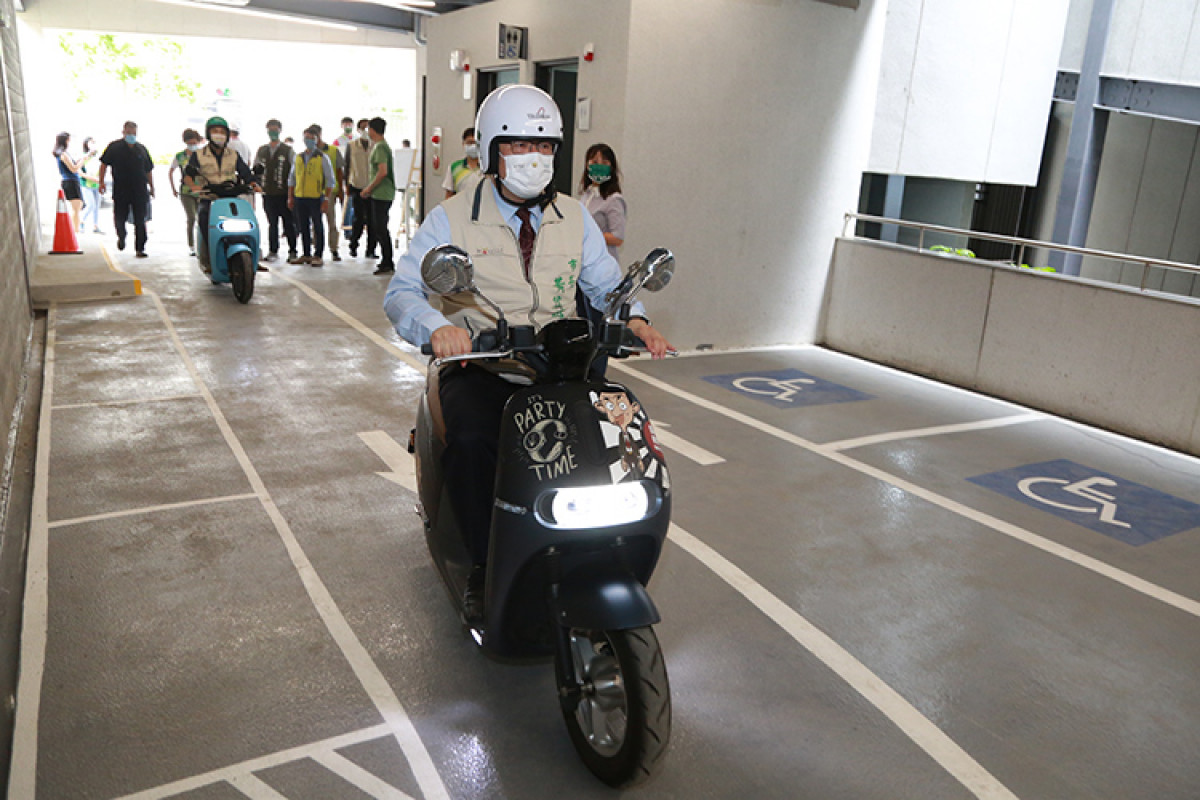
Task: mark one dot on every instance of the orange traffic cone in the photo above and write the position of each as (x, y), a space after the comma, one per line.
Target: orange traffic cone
(64, 232)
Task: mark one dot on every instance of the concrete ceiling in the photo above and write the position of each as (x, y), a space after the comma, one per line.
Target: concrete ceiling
(374, 13)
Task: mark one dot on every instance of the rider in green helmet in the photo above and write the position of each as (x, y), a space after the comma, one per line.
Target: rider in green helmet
(214, 163)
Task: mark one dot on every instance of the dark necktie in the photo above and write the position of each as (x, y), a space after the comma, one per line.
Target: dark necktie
(526, 238)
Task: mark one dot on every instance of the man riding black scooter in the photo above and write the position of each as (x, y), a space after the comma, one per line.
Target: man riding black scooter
(530, 249)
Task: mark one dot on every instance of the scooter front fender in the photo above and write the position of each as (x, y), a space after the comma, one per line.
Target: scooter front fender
(603, 599)
(238, 247)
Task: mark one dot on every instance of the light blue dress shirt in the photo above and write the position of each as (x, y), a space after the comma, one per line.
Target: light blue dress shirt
(407, 303)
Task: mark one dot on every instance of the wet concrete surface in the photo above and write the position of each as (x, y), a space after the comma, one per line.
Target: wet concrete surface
(183, 645)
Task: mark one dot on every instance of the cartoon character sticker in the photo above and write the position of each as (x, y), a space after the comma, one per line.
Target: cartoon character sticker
(627, 434)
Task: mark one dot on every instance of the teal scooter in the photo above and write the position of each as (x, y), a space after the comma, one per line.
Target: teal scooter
(229, 249)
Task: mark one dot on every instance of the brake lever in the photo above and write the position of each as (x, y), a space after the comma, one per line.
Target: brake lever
(437, 362)
(635, 349)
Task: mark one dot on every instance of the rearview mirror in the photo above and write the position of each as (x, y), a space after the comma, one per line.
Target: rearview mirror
(447, 269)
(651, 273)
(658, 267)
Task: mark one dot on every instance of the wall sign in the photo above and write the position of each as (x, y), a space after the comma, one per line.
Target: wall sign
(514, 42)
(1108, 504)
(787, 388)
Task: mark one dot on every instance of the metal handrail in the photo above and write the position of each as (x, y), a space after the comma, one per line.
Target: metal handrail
(1145, 261)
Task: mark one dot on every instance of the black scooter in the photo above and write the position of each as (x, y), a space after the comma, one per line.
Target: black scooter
(582, 504)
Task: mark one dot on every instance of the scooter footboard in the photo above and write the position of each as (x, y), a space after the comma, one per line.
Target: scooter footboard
(605, 598)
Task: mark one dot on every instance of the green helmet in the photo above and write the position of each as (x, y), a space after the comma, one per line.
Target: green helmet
(215, 122)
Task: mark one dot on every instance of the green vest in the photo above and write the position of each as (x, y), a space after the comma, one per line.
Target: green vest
(332, 152)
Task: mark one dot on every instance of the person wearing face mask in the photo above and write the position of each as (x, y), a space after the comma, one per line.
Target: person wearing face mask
(215, 162)
(191, 141)
(347, 134)
(381, 191)
(531, 248)
(272, 166)
(338, 161)
(310, 189)
(463, 174)
(133, 184)
(600, 187)
(358, 175)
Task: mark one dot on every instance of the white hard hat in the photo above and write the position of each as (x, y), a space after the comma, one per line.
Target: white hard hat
(515, 111)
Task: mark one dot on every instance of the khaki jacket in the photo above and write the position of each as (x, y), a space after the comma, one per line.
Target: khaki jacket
(545, 293)
(214, 171)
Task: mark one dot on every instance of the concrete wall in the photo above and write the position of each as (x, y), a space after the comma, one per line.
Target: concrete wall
(1150, 40)
(742, 128)
(965, 88)
(18, 247)
(747, 132)
(18, 239)
(558, 31)
(1041, 340)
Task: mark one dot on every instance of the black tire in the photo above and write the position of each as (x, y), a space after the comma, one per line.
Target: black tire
(241, 275)
(616, 701)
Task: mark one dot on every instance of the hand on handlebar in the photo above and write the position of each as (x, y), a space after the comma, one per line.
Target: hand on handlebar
(450, 340)
(656, 343)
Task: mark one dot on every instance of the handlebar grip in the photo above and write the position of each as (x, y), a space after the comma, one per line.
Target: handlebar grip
(427, 349)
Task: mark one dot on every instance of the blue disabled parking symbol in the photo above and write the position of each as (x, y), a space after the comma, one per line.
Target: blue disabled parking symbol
(787, 388)
(1108, 504)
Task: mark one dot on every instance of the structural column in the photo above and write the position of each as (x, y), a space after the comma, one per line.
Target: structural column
(1084, 146)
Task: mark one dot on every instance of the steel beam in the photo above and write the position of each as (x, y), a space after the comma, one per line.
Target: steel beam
(1084, 146)
(1171, 101)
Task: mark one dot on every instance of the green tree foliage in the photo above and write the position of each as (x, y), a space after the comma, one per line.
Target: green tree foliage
(150, 68)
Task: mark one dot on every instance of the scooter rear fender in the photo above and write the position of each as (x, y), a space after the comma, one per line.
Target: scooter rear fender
(603, 599)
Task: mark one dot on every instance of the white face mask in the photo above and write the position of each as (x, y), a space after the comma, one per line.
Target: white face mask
(472, 150)
(218, 139)
(528, 175)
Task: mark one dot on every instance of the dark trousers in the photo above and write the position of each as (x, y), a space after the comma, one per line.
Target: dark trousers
(312, 225)
(276, 207)
(362, 219)
(379, 219)
(124, 207)
(585, 309)
(472, 402)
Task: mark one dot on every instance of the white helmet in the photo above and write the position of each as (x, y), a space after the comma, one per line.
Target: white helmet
(515, 111)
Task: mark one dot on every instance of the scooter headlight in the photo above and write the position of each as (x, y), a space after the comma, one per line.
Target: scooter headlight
(237, 226)
(583, 507)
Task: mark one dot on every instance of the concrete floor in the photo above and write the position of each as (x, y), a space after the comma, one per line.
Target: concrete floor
(235, 602)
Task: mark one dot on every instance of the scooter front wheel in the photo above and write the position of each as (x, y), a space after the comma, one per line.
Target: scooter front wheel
(616, 701)
(241, 275)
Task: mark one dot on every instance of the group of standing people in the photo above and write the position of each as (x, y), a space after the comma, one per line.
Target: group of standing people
(132, 183)
(302, 187)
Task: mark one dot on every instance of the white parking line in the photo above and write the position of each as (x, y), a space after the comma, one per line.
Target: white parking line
(131, 402)
(62, 523)
(353, 773)
(1097, 566)
(940, 747)
(940, 430)
(230, 773)
(353, 322)
(255, 788)
(365, 668)
(682, 446)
